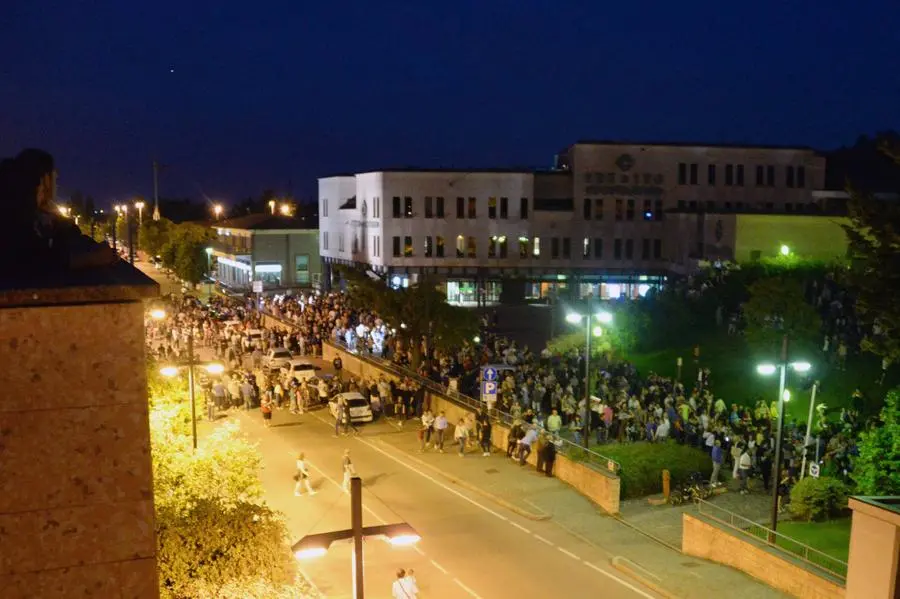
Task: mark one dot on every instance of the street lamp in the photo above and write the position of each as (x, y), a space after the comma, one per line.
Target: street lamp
(171, 370)
(217, 210)
(140, 207)
(316, 545)
(575, 318)
(768, 369)
(785, 250)
(285, 209)
(272, 206)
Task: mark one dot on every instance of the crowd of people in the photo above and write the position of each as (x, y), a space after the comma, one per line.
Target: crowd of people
(542, 393)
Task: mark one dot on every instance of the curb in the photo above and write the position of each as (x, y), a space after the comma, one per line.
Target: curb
(643, 532)
(618, 562)
(474, 488)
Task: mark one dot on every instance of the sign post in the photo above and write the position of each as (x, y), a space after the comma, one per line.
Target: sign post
(489, 386)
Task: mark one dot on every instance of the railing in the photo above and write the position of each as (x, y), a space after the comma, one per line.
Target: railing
(792, 547)
(569, 449)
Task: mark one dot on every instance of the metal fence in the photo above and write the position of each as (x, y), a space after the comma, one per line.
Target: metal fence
(569, 449)
(791, 547)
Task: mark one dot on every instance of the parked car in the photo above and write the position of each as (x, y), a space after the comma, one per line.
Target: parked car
(360, 410)
(298, 369)
(276, 358)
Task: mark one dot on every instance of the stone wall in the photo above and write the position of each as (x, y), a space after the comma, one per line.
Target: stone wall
(76, 491)
(703, 539)
(601, 488)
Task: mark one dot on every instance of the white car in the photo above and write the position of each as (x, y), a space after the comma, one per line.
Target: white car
(298, 369)
(277, 357)
(360, 410)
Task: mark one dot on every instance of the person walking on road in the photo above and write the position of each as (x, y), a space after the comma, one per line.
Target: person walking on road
(301, 478)
(349, 471)
(486, 438)
(440, 429)
(460, 435)
(427, 429)
(405, 586)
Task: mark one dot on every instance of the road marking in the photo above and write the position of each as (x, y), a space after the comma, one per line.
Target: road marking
(617, 579)
(540, 538)
(368, 509)
(569, 553)
(438, 566)
(520, 527)
(467, 589)
(497, 515)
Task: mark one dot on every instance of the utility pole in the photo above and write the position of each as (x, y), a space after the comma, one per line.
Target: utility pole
(155, 190)
(779, 432)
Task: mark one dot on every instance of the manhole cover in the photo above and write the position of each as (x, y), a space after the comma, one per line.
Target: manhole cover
(690, 564)
(492, 471)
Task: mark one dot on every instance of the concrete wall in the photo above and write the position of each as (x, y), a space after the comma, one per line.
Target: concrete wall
(874, 566)
(702, 539)
(280, 248)
(601, 488)
(76, 490)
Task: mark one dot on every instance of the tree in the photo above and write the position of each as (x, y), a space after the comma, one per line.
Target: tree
(874, 236)
(154, 234)
(877, 469)
(215, 534)
(777, 307)
(416, 312)
(191, 261)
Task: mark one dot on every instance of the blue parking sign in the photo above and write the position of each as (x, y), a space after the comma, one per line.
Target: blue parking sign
(489, 373)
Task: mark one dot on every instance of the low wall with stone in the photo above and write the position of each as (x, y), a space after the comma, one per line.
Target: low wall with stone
(601, 488)
(701, 538)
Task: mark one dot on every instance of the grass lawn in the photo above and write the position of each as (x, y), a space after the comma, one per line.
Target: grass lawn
(831, 537)
(734, 376)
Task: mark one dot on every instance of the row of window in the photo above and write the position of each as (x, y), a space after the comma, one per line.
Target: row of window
(794, 176)
(465, 207)
(625, 209)
(498, 247)
(712, 206)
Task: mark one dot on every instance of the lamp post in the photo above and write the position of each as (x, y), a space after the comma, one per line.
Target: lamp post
(766, 370)
(317, 545)
(575, 318)
(172, 370)
(807, 438)
(140, 208)
(115, 226)
(272, 206)
(209, 252)
(217, 210)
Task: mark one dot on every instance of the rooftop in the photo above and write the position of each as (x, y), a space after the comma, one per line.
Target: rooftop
(448, 170)
(689, 144)
(265, 221)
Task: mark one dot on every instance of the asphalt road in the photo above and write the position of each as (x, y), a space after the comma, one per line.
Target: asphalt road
(469, 547)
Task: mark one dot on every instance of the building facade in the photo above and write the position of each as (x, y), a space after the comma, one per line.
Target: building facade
(610, 219)
(280, 251)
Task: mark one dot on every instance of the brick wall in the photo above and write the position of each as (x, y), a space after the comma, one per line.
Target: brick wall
(703, 539)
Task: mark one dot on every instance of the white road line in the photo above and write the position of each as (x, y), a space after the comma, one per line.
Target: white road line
(380, 520)
(617, 579)
(520, 527)
(569, 553)
(438, 566)
(540, 538)
(467, 589)
(621, 581)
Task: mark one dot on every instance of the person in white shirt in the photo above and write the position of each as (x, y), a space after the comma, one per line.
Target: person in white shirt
(405, 586)
(301, 478)
(427, 429)
(662, 431)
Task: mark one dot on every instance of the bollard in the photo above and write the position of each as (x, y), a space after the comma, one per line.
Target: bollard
(666, 483)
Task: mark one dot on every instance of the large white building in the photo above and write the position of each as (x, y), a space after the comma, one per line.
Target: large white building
(610, 219)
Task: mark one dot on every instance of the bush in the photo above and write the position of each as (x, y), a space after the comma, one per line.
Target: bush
(642, 465)
(818, 498)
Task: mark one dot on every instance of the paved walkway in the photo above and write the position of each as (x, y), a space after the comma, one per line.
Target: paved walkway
(538, 497)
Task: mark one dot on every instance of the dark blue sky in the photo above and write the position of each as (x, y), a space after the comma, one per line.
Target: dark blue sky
(268, 92)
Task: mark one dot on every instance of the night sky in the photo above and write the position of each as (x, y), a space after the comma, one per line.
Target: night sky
(242, 96)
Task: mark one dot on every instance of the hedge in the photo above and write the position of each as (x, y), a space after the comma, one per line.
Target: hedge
(642, 465)
(818, 498)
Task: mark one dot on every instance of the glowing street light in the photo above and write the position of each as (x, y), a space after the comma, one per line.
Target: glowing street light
(217, 210)
(140, 208)
(768, 369)
(785, 250)
(272, 206)
(285, 209)
(157, 314)
(316, 545)
(589, 331)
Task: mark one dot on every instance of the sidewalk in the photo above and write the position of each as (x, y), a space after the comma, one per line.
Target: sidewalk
(538, 497)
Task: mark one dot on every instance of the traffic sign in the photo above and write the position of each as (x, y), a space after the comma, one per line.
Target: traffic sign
(814, 470)
(489, 373)
(489, 384)
(489, 388)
